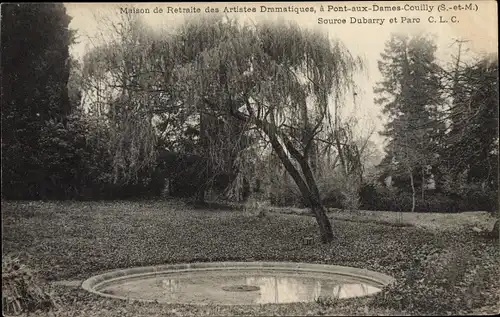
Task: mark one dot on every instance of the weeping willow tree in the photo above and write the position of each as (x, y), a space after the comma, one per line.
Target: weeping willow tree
(136, 81)
(117, 85)
(274, 78)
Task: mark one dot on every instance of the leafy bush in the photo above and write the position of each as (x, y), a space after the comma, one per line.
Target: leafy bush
(254, 206)
(375, 197)
(286, 195)
(68, 159)
(74, 163)
(473, 197)
(21, 290)
(470, 195)
(331, 191)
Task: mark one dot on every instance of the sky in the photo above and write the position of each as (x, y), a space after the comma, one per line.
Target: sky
(478, 27)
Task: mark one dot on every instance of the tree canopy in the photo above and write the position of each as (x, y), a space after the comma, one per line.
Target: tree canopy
(35, 70)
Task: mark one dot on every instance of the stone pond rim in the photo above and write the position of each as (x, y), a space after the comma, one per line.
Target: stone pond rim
(94, 283)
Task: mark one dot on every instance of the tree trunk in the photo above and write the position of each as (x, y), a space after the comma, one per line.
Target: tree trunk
(314, 201)
(200, 194)
(309, 194)
(423, 184)
(340, 154)
(412, 191)
(325, 227)
(269, 129)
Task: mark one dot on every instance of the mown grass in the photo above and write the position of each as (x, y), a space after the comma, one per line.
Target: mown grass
(75, 240)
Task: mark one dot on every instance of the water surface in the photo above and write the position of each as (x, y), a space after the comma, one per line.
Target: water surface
(239, 287)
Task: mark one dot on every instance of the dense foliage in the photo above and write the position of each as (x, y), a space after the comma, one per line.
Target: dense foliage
(410, 95)
(442, 129)
(69, 132)
(22, 290)
(35, 70)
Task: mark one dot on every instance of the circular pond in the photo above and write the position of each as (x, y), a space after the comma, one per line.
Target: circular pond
(237, 283)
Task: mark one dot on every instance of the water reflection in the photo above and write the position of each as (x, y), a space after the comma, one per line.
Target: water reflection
(275, 287)
(170, 287)
(289, 290)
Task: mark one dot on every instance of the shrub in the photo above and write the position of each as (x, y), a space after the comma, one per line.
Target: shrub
(350, 193)
(73, 163)
(286, 195)
(330, 190)
(473, 197)
(256, 207)
(375, 197)
(21, 290)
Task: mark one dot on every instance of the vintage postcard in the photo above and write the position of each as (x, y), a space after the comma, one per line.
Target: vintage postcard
(251, 158)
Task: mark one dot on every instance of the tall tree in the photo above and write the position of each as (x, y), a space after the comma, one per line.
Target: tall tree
(410, 95)
(35, 43)
(120, 91)
(268, 76)
(471, 142)
(133, 81)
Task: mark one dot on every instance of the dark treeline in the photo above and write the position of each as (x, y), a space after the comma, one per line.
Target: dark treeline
(157, 136)
(35, 51)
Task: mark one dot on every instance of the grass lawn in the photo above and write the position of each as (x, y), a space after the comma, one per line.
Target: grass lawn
(449, 271)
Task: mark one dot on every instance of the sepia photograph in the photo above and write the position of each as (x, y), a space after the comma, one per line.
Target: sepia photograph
(322, 158)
